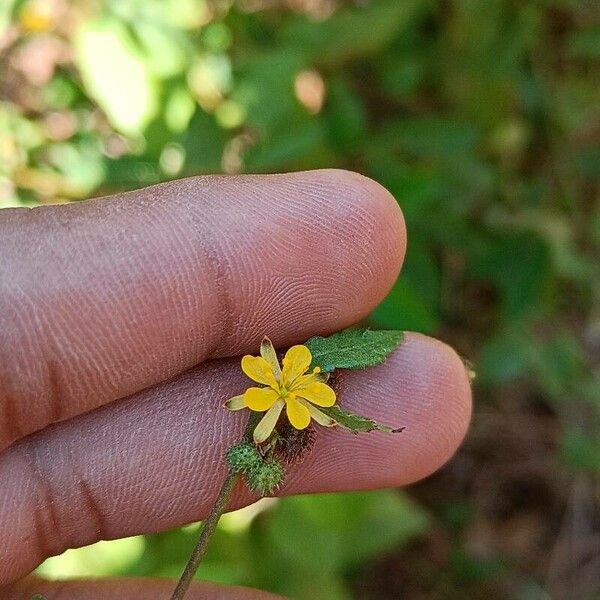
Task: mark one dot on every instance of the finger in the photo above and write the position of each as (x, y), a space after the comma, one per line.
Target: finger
(126, 589)
(156, 460)
(101, 299)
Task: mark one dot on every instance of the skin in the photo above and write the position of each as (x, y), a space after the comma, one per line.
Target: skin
(120, 321)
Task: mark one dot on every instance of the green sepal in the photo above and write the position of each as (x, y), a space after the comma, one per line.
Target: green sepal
(353, 348)
(356, 423)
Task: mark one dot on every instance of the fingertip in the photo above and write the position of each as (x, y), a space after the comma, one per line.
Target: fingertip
(370, 236)
(445, 417)
(388, 225)
(327, 248)
(389, 228)
(424, 390)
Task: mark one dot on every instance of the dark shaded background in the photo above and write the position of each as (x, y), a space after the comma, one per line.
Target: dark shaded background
(482, 117)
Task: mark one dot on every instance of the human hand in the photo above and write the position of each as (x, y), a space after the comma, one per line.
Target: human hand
(109, 311)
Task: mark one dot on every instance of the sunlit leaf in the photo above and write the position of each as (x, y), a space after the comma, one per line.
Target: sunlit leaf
(116, 74)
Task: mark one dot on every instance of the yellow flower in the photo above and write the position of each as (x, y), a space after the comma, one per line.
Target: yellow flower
(37, 16)
(288, 386)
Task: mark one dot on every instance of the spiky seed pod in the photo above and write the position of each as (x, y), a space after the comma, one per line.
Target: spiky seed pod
(336, 381)
(265, 478)
(294, 445)
(243, 457)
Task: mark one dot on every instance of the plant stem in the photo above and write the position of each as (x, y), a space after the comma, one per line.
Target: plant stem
(208, 529)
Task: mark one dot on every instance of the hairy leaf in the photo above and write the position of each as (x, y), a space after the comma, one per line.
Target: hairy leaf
(356, 423)
(352, 348)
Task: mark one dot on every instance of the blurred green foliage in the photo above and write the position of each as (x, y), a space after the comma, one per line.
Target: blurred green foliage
(480, 116)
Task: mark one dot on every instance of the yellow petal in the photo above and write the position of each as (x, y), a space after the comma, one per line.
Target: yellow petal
(259, 370)
(295, 363)
(266, 425)
(235, 403)
(320, 417)
(268, 353)
(260, 399)
(305, 380)
(297, 413)
(318, 393)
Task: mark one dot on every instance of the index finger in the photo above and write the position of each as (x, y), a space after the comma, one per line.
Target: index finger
(126, 589)
(101, 299)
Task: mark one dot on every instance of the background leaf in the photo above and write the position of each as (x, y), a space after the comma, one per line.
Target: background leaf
(116, 74)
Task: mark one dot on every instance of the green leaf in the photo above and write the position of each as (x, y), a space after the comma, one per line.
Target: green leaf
(431, 137)
(581, 451)
(352, 33)
(116, 74)
(518, 264)
(353, 348)
(356, 423)
(503, 357)
(585, 44)
(405, 305)
(346, 114)
(335, 533)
